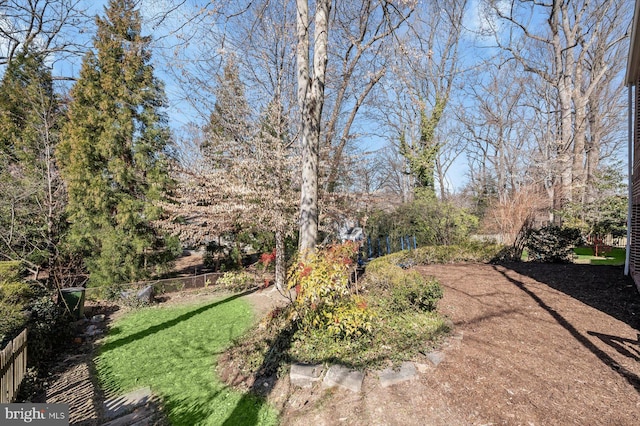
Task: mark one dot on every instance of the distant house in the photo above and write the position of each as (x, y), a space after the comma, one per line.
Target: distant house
(632, 81)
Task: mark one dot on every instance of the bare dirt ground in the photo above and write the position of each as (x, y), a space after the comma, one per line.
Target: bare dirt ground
(541, 345)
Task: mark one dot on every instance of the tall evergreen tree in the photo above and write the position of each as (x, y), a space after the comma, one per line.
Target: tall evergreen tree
(113, 152)
(230, 121)
(30, 208)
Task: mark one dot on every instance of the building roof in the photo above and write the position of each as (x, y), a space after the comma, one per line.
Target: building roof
(633, 61)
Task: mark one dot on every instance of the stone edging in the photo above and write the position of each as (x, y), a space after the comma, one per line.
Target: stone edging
(306, 375)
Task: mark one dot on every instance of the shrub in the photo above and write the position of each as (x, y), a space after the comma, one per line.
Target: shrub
(403, 290)
(391, 318)
(268, 259)
(48, 329)
(382, 274)
(508, 254)
(14, 299)
(552, 243)
(24, 306)
(237, 281)
(430, 220)
(472, 251)
(12, 320)
(324, 301)
(413, 292)
(10, 270)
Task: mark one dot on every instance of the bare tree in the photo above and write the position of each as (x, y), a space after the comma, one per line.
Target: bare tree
(394, 177)
(53, 28)
(495, 131)
(31, 197)
(363, 37)
(425, 67)
(564, 44)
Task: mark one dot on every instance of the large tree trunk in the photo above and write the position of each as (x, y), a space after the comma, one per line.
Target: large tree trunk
(311, 100)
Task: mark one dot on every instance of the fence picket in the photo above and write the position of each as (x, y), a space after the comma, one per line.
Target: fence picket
(13, 363)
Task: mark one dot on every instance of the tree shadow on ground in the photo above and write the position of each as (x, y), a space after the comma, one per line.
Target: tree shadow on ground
(569, 279)
(627, 347)
(248, 409)
(263, 381)
(604, 288)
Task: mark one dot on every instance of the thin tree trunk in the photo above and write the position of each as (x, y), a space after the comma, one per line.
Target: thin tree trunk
(579, 145)
(281, 262)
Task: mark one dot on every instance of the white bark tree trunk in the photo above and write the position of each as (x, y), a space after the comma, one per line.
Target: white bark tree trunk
(310, 101)
(281, 262)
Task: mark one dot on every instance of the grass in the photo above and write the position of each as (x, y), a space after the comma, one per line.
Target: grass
(174, 350)
(616, 256)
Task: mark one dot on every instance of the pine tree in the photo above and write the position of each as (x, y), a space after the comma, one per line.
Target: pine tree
(113, 153)
(30, 208)
(229, 123)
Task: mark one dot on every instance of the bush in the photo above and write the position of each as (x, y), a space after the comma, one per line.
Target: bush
(23, 305)
(32, 307)
(14, 299)
(10, 270)
(237, 281)
(391, 318)
(471, 251)
(402, 290)
(382, 274)
(346, 319)
(12, 320)
(324, 301)
(413, 292)
(552, 244)
(431, 221)
(508, 254)
(48, 329)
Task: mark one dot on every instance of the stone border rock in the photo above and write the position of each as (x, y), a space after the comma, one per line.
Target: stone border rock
(343, 377)
(306, 375)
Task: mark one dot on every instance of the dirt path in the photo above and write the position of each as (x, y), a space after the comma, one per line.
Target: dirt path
(542, 345)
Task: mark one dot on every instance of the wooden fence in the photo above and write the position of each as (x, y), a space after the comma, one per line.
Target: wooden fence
(13, 360)
(168, 285)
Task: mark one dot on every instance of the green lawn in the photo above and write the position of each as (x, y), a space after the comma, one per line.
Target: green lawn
(174, 350)
(614, 257)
